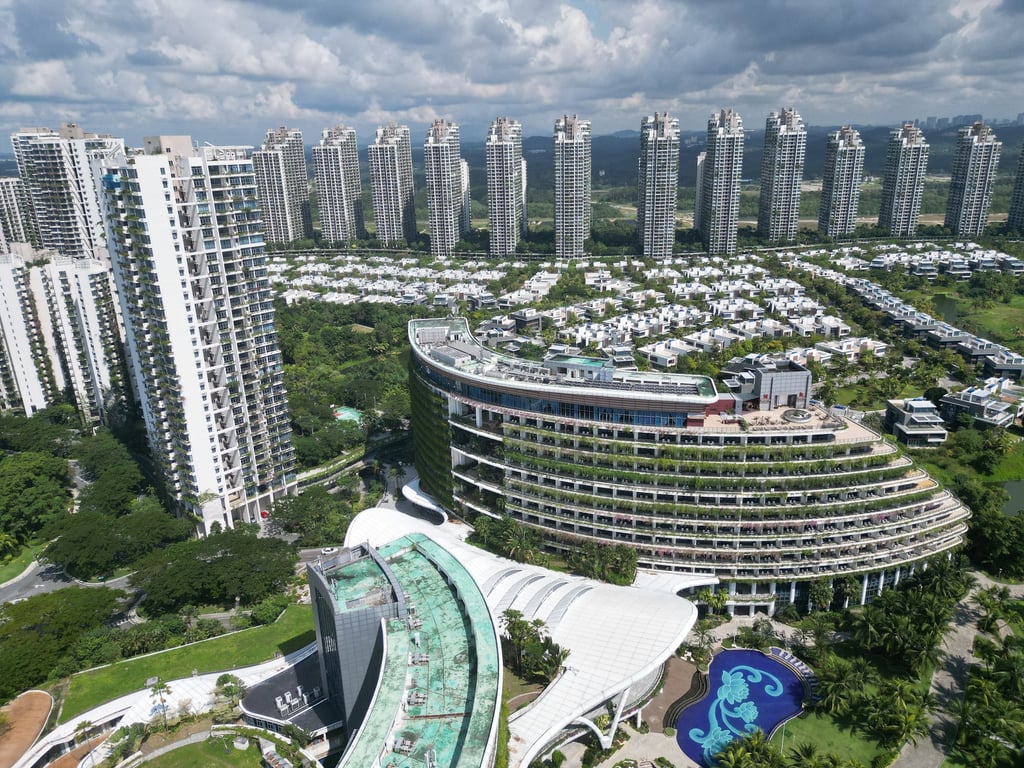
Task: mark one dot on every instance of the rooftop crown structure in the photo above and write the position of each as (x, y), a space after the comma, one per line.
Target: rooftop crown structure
(755, 486)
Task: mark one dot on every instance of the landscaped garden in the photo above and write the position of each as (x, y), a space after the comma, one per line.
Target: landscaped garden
(293, 630)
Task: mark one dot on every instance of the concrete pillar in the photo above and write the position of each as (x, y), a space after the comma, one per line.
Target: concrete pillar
(479, 416)
(864, 590)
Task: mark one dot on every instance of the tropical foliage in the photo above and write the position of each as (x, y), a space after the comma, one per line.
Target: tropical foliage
(528, 648)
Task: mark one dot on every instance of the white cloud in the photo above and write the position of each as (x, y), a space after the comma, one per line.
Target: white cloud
(226, 70)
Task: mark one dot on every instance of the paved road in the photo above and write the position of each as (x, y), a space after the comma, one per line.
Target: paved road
(949, 682)
(46, 577)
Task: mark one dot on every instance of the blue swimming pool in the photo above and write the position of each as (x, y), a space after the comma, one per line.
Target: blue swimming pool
(748, 690)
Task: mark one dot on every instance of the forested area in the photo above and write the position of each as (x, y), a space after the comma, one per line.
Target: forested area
(353, 355)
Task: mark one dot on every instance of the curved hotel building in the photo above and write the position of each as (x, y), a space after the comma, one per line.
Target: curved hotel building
(753, 486)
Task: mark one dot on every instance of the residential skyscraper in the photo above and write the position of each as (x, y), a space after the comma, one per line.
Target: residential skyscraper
(59, 333)
(199, 320)
(572, 185)
(658, 184)
(721, 172)
(447, 186)
(782, 171)
(506, 186)
(699, 190)
(840, 186)
(283, 186)
(27, 383)
(338, 187)
(391, 183)
(58, 171)
(17, 221)
(906, 163)
(974, 173)
(1016, 217)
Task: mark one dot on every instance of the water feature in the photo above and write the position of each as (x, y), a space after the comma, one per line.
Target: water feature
(1016, 501)
(945, 307)
(748, 691)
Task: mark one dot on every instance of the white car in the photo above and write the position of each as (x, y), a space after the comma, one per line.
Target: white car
(328, 550)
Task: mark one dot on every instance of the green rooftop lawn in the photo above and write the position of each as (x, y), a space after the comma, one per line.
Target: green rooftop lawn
(218, 752)
(293, 630)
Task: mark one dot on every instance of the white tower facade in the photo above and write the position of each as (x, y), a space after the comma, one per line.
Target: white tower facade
(283, 186)
(447, 186)
(572, 185)
(974, 174)
(840, 186)
(59, 169)
(506, 186)
(27, 383)
(658, 184)
(721, 172)
(17, 221)
(391, 183)
(906, 163)
(1016, 217)
(186, 242)
(339, 188)
(782, 172)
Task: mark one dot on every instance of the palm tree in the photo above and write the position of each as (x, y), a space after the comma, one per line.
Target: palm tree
(161, 690)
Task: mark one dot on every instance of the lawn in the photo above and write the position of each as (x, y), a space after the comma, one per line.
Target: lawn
(218, 752)
(824, 732)
(19, 563)
(239, 649)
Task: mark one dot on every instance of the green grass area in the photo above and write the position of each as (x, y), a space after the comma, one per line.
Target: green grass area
(18, 563)
(214, 753)
(863, 396)
(239, 649)
(825, 733)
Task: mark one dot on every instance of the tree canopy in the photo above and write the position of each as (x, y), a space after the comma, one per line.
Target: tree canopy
(214, 570)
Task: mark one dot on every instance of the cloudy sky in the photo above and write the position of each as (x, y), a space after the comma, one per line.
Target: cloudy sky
(226, 70)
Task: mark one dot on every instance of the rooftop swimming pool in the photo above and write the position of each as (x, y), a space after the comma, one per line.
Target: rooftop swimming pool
(748, 691)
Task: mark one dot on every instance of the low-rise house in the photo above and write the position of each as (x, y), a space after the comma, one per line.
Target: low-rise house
(915, 422)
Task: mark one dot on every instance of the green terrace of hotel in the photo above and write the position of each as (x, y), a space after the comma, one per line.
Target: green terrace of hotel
(742, 481)
(408, 658)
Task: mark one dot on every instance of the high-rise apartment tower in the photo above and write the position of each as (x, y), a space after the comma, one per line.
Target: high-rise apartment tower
(391, 183)
(506, 186)
(974, 173)
(1016, 217)
(283, 186)
(721, 172)
(17, 220)
(186, 243)
(658, 184)
(58, 169)
(840, 186)
(906, 163)
(447, 186)
(572, 185)
(782, 171)
(339, 189)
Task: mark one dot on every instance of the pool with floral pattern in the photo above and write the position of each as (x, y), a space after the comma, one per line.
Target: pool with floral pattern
(747, 691)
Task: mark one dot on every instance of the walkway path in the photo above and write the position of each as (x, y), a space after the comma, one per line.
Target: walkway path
(949, 682)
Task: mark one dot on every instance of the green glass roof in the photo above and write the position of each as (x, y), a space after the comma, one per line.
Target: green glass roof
(438, 693)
